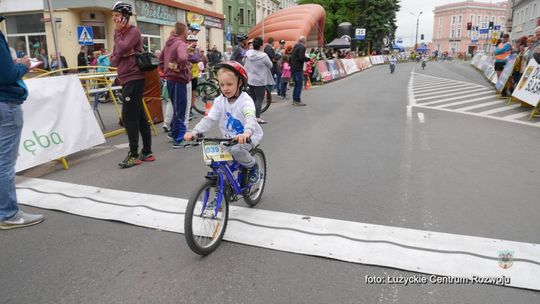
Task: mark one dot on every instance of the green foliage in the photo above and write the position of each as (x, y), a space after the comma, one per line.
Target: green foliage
(378, 17)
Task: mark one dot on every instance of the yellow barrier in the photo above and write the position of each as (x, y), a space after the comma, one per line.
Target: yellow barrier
(91, 83)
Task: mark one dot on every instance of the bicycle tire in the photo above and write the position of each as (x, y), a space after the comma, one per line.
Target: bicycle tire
(253, 200)
(191, 238)
(266, 101)
(206, 91)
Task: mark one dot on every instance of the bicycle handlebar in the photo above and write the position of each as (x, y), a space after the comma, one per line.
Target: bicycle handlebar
(227, 141)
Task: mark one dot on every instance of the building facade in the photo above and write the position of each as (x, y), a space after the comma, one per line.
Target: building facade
(287, 3)
(240, 17)
(450, 33)
(28, 28)
(266, 8)
(524, 17)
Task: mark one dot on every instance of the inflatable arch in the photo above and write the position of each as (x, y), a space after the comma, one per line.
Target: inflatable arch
(289, 24)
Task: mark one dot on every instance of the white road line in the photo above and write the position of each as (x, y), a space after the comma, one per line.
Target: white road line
(506, 119)
(454, 94)
(456, 98)
(519, 115)
(463, 86)
(481, 105)
(441, 92)
(444, 79)
(432, 85)
(424, 83)
(421, 117)
(395, 247)
(122, 146)
(410, 100)
(501, 109)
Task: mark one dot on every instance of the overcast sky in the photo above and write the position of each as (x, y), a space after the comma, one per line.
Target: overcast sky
(406, 22)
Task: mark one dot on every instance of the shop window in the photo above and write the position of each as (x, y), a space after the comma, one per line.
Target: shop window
(26, 34)
(151, 36)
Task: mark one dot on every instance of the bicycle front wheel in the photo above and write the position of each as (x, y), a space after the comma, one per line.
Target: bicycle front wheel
(204, 226)
(253, 197)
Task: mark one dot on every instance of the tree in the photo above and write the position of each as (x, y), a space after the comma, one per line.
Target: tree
(378, 17)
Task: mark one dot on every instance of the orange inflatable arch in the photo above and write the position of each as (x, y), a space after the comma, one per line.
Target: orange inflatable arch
(289, 24)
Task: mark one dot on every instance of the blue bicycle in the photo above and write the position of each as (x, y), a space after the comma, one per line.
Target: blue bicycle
(227, 181)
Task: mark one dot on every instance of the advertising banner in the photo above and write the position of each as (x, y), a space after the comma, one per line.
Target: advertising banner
(58, 121)
(528, 88)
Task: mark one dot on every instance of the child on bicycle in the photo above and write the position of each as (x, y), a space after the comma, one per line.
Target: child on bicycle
(235, 111)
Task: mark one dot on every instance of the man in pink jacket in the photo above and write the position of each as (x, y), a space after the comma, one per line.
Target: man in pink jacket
(127, 42)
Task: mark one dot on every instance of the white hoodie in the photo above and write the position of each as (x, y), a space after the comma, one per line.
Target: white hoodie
(258, 66)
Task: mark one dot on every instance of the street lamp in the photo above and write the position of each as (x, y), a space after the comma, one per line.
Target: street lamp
(417, 21)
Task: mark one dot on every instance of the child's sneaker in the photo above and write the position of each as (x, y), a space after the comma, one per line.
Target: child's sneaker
(130, 161)
(253, 174)
(147, 157)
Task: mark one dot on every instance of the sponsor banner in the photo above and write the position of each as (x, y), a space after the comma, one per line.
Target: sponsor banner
(376, 59)
(528, 88)
(213, 22)
(58, 121)
(194, 18)
(332, 67)
(506, 73)
(323, 70)
(341, 68)
(350, 66)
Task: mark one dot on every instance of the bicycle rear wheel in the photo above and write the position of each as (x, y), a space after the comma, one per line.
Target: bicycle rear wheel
(254, 196)
(206, 92)
(203, 228)
(266, 101)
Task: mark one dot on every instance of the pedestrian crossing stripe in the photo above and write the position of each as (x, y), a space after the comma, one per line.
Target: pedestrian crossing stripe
(435, 253)
(449, 95)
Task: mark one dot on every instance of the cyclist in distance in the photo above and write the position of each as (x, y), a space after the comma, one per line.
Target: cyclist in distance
(235, 111)
(239, 51)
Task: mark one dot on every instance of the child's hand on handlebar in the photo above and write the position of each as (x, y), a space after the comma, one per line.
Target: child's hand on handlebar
(243, 138)
(188, 136)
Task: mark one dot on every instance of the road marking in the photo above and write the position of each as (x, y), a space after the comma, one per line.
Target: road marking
(408, 249)
(122, 146)
(421, 117)
(456, 98)
(500, 109)
(435, 96)
(454, 94)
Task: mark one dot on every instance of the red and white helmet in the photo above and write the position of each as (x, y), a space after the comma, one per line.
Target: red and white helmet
(236, 68)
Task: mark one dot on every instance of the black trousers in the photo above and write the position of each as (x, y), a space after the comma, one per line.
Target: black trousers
(134, 117)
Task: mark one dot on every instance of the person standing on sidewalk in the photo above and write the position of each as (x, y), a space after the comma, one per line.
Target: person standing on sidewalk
(274, 57)
(127, 42)
(174, 61)
(296, 60)
(13, 93)
(258, 66)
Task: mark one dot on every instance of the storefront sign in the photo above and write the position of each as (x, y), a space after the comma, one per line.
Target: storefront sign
(58, 121)
(194, 18)
(528, 88)
(155, 13)
(213, 22)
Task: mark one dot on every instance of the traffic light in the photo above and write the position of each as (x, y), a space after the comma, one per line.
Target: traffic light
(421, 36)
(469, 26)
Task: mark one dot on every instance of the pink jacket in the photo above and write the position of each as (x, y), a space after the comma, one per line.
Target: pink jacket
(286, 70)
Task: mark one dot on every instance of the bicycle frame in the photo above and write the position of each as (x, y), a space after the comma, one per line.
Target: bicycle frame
(225, 172)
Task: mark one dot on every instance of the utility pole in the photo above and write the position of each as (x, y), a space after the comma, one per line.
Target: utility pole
(55, 36)
(417, 22)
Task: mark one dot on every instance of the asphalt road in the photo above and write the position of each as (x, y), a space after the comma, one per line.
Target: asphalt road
(351, 154)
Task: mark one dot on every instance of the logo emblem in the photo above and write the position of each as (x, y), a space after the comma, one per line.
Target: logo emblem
(506, 258)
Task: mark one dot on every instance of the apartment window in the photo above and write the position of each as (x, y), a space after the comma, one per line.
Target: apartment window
(452, 32)
(526, 13)
(479, 20)
(459, 19)
(439, 33)
(229, 16)
(241, 16)
(440, 21)
(458, 33)
(471, 19)
(453, 19)
(533, 11)
(249, 17)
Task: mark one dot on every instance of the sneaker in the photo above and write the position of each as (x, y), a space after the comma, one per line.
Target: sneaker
(131, 160)
(261, 121)
(170, 137)
(192, 116)
(147, 157)
(21, 219)
(253, 174)
(298, 104)
(166, 128)
(180, 144)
